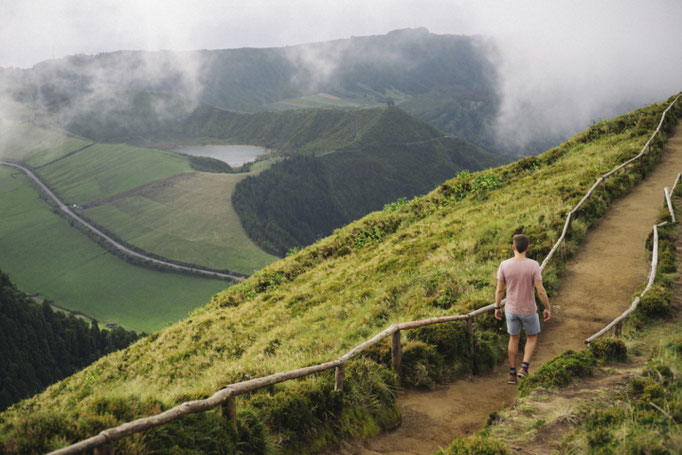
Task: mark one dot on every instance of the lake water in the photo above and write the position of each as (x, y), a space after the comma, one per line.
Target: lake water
(234, 155)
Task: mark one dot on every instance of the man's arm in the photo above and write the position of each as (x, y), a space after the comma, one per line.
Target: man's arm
(499, 295)
(544, 299)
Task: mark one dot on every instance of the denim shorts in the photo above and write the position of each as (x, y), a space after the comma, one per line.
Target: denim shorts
(530, 322)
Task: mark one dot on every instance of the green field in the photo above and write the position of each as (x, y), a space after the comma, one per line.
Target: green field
(187, 217)
(153, 200)
(43, 254)
(107, 169)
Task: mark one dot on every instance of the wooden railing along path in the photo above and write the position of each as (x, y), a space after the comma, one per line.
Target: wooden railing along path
(617, 324)
(225, 398)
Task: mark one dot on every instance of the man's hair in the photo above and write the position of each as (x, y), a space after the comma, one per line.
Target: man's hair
(521, 242)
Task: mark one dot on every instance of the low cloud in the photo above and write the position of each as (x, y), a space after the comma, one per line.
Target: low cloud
(565, 65)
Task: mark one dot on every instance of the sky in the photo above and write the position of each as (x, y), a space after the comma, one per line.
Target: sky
(563, 63)
(36, 30)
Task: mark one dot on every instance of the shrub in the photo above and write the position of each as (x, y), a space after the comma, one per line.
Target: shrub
(295, 410)
(561, 370)
(421, 364)
(603, 418)
(450, 340)
(609, 349)
(490, 349)
(656, 302)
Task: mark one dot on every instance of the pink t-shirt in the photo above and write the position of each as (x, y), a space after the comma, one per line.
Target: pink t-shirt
(519, 276)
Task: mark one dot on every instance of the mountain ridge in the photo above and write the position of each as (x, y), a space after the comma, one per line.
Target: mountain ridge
(451, 77)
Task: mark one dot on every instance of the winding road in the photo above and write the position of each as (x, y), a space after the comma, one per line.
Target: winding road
(65, 208)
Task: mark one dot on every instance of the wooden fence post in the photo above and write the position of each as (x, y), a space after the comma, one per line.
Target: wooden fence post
(229, 409)
(106, 449)
(470, 330)
(339, 376)
(396, 354)
(619, 329)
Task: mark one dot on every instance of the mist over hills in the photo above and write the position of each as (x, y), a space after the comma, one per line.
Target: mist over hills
(449, 81)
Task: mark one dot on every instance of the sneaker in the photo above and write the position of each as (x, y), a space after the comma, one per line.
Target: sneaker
(512, 378)
(523, 372)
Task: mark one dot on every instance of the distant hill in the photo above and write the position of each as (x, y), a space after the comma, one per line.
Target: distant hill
(393, 155)
(446, 80)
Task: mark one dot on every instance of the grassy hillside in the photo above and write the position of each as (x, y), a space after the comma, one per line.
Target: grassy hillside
(393, 156)
(434, 255)
(45, 255)
(302, 131)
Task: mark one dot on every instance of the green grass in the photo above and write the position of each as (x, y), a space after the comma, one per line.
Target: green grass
(43, 254)
(188, 218)
(435, 255)
(107, 169)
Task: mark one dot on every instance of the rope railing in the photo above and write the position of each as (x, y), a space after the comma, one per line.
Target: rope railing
(225, 397)
(618, 322)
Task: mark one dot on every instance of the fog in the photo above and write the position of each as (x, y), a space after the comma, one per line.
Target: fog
(563, 64)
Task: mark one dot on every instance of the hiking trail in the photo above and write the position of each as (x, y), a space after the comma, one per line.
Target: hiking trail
(595, 288)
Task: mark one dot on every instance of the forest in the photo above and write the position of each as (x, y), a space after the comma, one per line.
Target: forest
(39, 346)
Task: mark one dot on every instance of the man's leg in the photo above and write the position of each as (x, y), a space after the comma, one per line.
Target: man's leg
(513, 349)
(531, 341)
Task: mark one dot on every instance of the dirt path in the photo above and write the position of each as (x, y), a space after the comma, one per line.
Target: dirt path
(66, 209)
(559, 409)
(595, 288)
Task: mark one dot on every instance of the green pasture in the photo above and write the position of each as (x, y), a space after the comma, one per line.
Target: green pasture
(107, 169)
(43, 254)
(188, 218)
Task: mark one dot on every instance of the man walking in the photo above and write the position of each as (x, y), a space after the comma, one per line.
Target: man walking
(520, 275)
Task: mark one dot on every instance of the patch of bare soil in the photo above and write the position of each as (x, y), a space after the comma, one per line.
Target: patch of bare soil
(595, 288)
